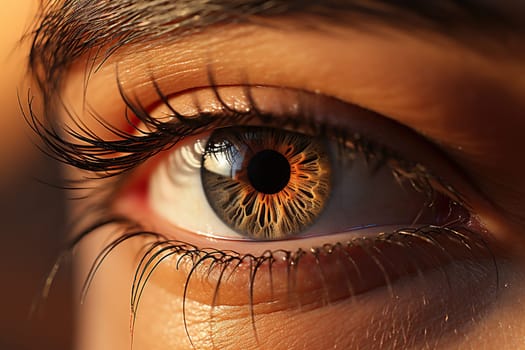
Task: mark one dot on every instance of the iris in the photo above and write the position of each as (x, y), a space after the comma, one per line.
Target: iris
(266, 183)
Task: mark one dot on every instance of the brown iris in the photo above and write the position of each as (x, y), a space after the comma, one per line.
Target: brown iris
(266, 183)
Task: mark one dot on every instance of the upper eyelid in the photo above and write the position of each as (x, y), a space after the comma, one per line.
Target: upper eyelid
(137, 80)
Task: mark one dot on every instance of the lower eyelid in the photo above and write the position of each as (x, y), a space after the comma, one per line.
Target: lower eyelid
(384, 258)
(404, 272)
(331, 278)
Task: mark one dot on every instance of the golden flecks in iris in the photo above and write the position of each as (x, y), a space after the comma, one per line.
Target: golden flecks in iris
(258, 215)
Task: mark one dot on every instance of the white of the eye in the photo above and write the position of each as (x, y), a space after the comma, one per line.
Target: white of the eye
(176, 194)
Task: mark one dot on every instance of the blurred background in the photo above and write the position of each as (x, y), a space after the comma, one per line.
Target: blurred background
(31, 210)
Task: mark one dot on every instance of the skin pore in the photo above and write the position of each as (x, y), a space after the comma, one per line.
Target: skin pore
(466, 99)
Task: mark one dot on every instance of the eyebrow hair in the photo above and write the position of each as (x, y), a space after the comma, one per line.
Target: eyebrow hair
(68, 29)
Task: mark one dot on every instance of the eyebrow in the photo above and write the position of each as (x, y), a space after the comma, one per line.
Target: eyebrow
(69, 29)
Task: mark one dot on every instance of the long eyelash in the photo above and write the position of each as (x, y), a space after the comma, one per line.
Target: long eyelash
(90, 152)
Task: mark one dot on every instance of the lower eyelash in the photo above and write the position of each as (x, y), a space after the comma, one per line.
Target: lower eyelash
(427, 247)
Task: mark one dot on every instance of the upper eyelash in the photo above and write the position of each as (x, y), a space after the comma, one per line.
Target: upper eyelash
(102, 158)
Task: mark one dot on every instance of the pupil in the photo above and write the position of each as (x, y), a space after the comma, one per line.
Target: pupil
(269, 171)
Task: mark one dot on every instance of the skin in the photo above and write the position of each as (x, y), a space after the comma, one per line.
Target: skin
(454, 95)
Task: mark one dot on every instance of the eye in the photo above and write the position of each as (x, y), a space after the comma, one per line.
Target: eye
(305, 178)
(288, 180)
(265, 183)
(261, 183)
